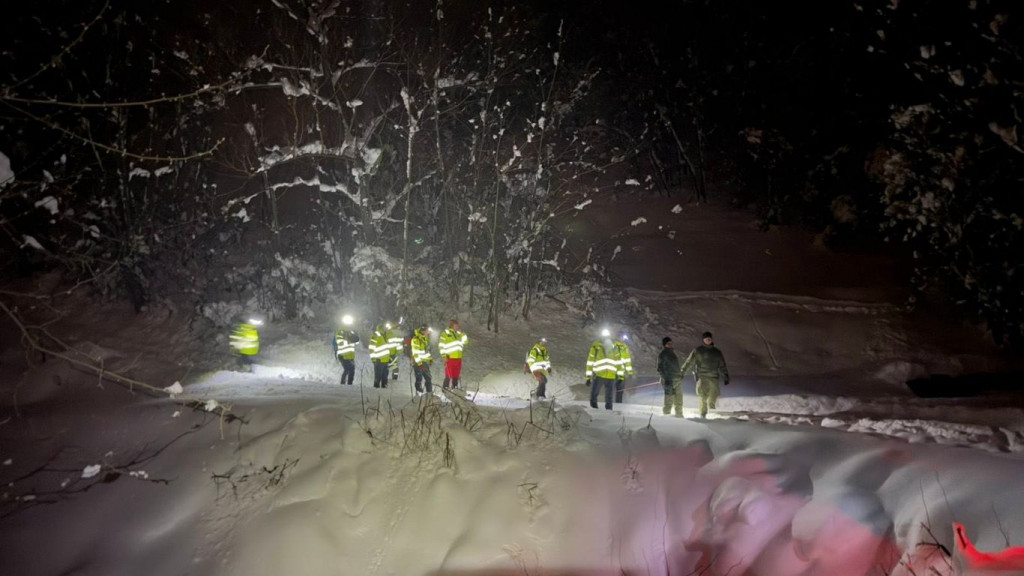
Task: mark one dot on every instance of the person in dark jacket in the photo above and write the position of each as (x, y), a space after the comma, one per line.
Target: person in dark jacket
(708, 366)
(671, 378)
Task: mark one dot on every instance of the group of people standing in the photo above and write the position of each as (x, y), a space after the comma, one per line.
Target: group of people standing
(386, 345)
(609, 363)
(708, 366)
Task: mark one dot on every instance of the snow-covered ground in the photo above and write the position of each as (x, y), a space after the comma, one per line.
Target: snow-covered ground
(818, 461)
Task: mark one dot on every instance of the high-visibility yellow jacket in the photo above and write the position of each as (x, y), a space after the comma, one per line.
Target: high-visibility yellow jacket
(420, 348)
(246, 340)
(452, 343)
(602, 363)
(538, 359)
(345, 344)
(380, 348)
(625, 359)
(397, 344)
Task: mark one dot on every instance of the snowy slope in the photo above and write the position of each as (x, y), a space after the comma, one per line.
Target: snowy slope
(817, 462)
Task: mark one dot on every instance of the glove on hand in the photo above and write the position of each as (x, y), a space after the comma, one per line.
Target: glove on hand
(588, 382)
(550, 371)
(726, 383)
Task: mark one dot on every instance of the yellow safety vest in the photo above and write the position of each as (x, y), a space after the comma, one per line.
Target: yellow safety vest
(601, 365)
(246, 340)
(538, 358)
(452, 343)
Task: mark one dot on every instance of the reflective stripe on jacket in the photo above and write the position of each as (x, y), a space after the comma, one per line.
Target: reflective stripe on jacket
(626, 359)
(600, 364)
(420, 349)
(345, 344)
(396, 342)
(452, 342)
(538, 358)
(380, 349)
(246, 340)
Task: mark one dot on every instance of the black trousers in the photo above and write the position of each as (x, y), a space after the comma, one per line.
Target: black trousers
(245, 362)
(348, 371)
(619, 386)
(380, 375)
(595, 390)
(423, 375)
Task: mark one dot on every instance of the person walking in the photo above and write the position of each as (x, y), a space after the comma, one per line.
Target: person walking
(245, 341)
(380, 355)
(671, 378)
(421, 360)
(345, 341)
(397, 344)
(625, 365)
(603, 369)
(451, 346)
(708, 366)
(538, 362)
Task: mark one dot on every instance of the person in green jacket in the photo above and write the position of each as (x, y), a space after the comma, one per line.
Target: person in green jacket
(345, 341)
(245, 340)
(708, 366)
(625, 365)
(603, 369)
(397, 343)
(671, 378)
(421, 359)
(451, 346)
(380, 355)
(538, 363)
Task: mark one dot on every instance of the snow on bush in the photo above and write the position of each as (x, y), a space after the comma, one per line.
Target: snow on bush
(373, 264)
(50, 204)
(223, 314)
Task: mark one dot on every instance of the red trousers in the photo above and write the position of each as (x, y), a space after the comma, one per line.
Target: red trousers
(453, 368)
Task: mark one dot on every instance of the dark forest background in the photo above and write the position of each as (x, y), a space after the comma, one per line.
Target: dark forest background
(285, 154)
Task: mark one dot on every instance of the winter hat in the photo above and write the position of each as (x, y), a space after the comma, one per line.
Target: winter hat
(665, 340)
(705, 335)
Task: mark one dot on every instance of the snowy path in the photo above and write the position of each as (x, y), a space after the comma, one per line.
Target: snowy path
(975, 425)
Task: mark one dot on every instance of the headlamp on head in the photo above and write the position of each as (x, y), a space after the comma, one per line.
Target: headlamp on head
(347, 320)
(255, 321)
(606, 332)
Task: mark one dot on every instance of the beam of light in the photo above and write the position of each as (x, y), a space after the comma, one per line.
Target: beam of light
(606, 332)
(347, 320)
